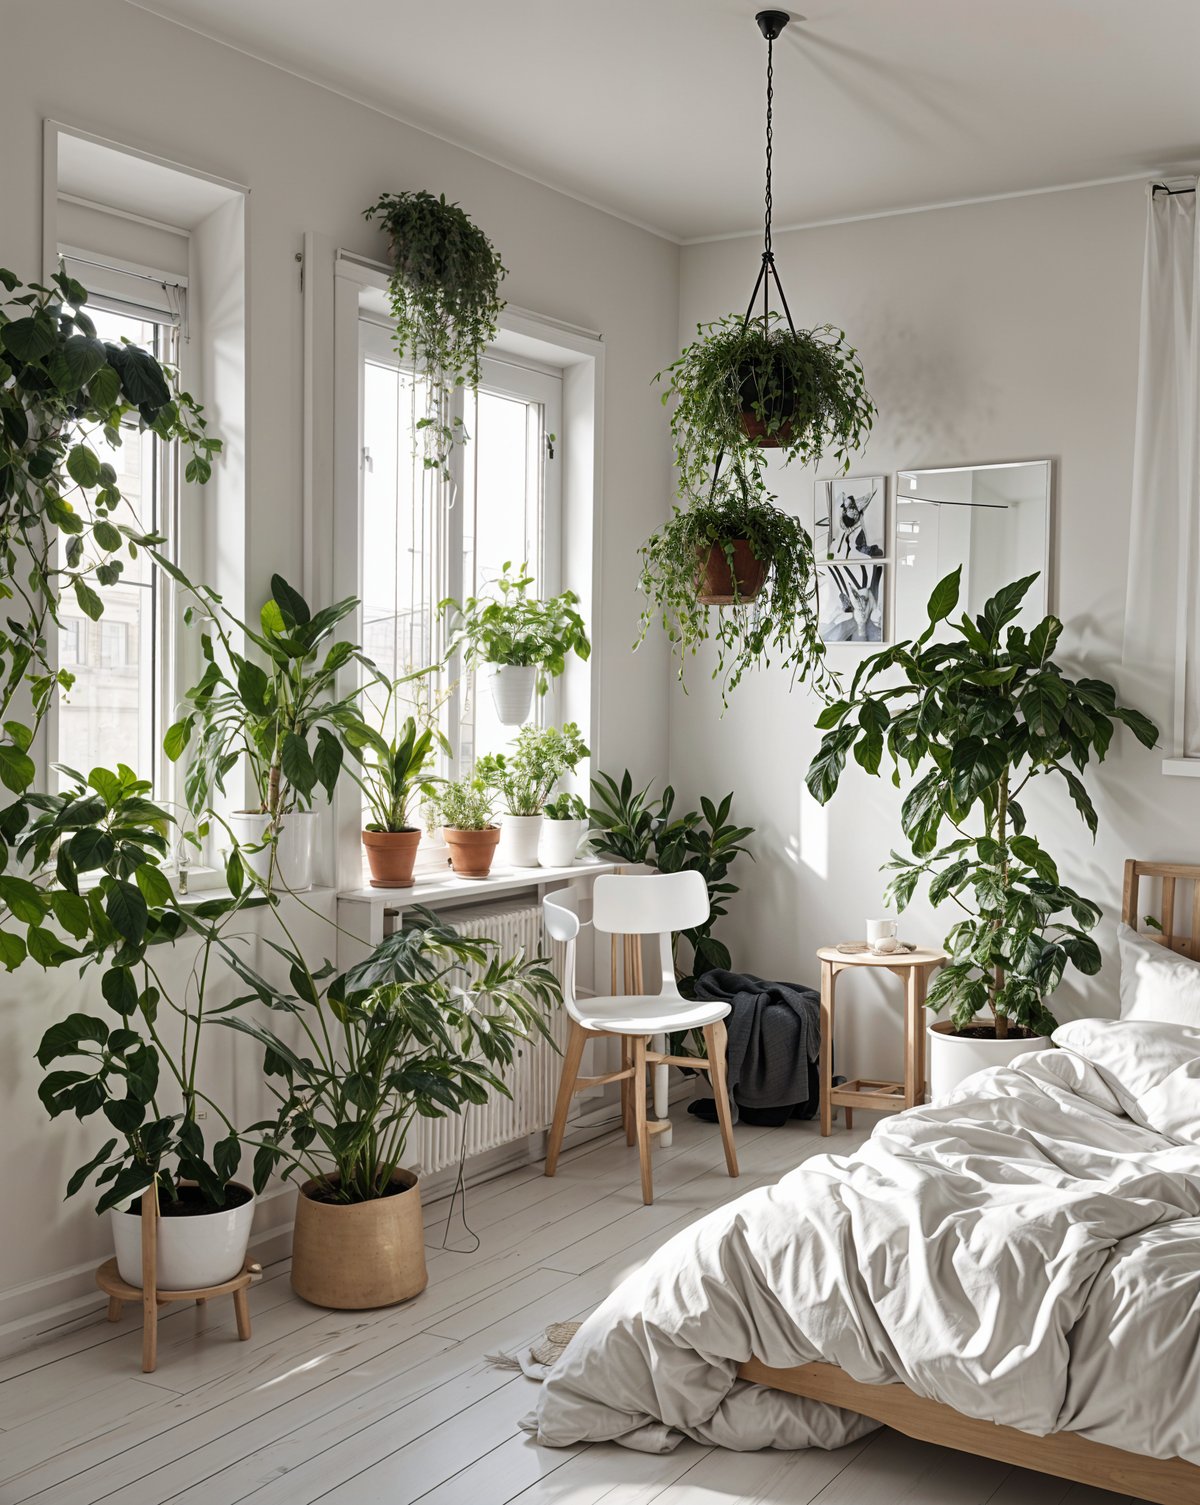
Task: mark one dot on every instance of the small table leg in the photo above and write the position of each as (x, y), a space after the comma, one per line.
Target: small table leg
(241, 1308)
(826, 1061)
(114, 1309)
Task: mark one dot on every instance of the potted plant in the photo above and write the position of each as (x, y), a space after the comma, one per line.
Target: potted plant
(285, 715)
(464, 809)
(65, 529)
(747, 384)
(523, 642)
(395, 1038)
(445, 295)
(94, 850)
(524, 780)
(566, 824)
(736, 570)
(980, 714)
(391, 771)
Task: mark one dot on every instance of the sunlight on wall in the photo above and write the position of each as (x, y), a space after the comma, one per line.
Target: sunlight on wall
(812, 845)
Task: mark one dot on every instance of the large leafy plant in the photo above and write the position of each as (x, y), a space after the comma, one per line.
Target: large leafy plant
(445, 295)
(980, 715)
(525, 778)
(746, 381)
(633, 826)
(509, 625)
(400, 1036)
(99, 899)
(63, 391)
(777, 625)
(282, 711)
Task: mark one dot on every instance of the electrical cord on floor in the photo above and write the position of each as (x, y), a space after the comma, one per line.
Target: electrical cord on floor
(460, 1190)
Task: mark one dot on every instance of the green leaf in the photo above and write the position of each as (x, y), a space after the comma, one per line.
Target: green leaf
(76, 361)
(297, 764)
(84, 1171)
(254, 686)
(90, 848)
(26, 901)
(153, 882)
(17, 769)
(945, 596)
(327, 760)
(65, 1038)
(83, 466)
(126, 909)
(71, 912)
(293, 607)
(120, 990)
(89, 602)
(177, 738)
(29, 339)
(12, 950)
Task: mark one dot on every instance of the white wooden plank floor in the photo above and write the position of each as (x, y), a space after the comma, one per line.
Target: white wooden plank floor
(400, 1406)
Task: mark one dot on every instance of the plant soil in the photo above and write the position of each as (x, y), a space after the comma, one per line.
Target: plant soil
(192, 1204)
(988, 1032)
(331, 1199)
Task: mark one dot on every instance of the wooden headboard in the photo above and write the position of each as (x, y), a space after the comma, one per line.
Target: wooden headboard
(1172, 874)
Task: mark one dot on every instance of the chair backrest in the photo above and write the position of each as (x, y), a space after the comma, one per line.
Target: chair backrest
(649, 904)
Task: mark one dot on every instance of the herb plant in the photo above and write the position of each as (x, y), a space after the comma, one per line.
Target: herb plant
(779, 624)
(445, 296)
(525, 778)
(565, 807)
(980, 716)
(511, 626)
(463, 805)
(393, 1039)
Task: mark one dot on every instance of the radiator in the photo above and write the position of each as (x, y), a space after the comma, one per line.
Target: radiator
(434, 1143)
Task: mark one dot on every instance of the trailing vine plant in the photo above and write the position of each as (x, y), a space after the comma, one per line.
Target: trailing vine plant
(445, 296)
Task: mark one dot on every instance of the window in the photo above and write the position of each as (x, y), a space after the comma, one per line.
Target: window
(423, 540)
(113, 712)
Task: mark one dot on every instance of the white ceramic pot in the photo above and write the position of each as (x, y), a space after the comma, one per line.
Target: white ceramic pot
(561, 840)
(953, 1058)
(204, 1249)
(519, 836)
(512, 687)
(293, 850)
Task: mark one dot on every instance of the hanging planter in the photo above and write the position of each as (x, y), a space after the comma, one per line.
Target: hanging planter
(512, 687)
(445, 296)
(729, 573)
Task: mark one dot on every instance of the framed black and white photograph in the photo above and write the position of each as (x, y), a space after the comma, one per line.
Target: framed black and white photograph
(852, 603)
(850, 520)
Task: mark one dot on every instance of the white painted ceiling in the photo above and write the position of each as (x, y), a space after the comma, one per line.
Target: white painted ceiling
(653, 108)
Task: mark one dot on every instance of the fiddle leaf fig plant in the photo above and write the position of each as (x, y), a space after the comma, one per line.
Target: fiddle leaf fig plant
(445, 295)
(67, 399)
(979, 715)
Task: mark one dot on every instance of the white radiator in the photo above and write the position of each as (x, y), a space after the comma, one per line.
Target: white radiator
(434, 1143)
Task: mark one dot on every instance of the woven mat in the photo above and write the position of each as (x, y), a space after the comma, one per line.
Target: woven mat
(541, 1355)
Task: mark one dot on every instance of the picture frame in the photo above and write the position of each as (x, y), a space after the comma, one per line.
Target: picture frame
(850, 520)
(852, 602)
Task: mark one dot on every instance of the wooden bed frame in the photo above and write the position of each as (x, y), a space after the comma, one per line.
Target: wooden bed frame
(1165, 1481)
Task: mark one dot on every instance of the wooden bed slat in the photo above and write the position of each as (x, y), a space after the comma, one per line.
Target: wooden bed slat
(1171, 875)
(1067, 1455)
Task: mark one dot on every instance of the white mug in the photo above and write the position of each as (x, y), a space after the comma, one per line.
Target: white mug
(883, 936)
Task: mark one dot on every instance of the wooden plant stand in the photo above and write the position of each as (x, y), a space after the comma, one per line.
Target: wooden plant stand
(151, 1298)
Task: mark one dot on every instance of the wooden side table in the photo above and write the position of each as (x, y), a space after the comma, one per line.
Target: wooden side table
(915, 968)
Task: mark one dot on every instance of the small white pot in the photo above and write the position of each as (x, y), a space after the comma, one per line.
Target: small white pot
(561, 840)
(953, 1058)
(512, 687)
(519, 836)
(293, 850)
(204, 1249)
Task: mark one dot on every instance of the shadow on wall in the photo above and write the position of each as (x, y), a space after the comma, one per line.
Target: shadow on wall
(935, 401)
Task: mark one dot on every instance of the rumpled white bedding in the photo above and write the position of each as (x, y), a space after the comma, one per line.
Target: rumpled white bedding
(1024, 1252)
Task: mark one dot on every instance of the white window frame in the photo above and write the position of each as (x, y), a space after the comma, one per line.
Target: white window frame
(333, 524)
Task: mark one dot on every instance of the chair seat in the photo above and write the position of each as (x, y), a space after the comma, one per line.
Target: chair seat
(647, 1014)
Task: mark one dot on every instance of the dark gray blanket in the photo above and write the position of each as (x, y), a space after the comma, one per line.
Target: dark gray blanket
(774, 1032)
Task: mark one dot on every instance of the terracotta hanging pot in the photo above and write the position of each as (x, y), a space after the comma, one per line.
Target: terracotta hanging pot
(718, 585)
(774, 428)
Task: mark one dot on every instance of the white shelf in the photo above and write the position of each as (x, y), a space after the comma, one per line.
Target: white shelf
(434, 889)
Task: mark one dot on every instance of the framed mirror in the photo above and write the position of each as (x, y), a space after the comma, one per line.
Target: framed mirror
(993, 520)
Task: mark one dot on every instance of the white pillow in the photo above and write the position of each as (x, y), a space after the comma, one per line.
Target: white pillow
(1153, 1070)
(1157, 984)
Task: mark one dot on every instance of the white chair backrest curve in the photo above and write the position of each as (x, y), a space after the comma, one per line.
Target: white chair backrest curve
(652, 904)
(561, 915)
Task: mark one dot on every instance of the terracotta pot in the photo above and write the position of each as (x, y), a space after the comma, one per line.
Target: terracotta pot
(756, 431)
(471, 852)
(715, 581)
(755, 428)
(954, 1057)
(390, 856)
(355, 1255)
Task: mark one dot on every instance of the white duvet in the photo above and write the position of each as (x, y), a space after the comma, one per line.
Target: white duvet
(1027, 1252)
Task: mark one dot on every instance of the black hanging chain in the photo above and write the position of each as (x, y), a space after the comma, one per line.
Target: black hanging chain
(770, 142)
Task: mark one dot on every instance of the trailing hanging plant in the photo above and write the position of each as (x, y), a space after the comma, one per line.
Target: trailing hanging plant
(62, 390)
(779, 622)
(748, 384)
(981, 715)
(445, 296)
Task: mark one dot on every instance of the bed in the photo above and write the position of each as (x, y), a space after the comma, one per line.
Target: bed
(997, 1273)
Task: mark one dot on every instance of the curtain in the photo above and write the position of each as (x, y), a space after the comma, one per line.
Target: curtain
(1162, 615)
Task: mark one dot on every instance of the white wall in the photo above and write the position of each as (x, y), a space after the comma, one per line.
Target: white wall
(313, 161)
(991, 332)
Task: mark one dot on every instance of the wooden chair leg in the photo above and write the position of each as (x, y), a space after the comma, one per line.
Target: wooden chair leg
(566, 1090)
(627, 1117)
(715, 1037)
(643, 1127)
(241, 1310)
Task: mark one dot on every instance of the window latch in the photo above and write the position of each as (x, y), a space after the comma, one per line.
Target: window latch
(368, 463)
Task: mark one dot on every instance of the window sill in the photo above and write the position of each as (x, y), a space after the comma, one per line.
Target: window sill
(441, 888)
(1181, 768)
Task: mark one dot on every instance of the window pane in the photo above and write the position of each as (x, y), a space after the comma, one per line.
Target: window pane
(110, 714)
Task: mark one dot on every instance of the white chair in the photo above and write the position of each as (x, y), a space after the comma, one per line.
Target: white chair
(636, 904)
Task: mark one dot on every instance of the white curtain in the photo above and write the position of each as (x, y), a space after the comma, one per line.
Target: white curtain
(1162, 616)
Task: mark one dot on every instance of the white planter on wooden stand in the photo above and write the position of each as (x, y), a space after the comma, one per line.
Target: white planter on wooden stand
(954, 1057)
(293, 850)
(194, 1251)
(560, 842)
(512, 687)
(519, 838)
